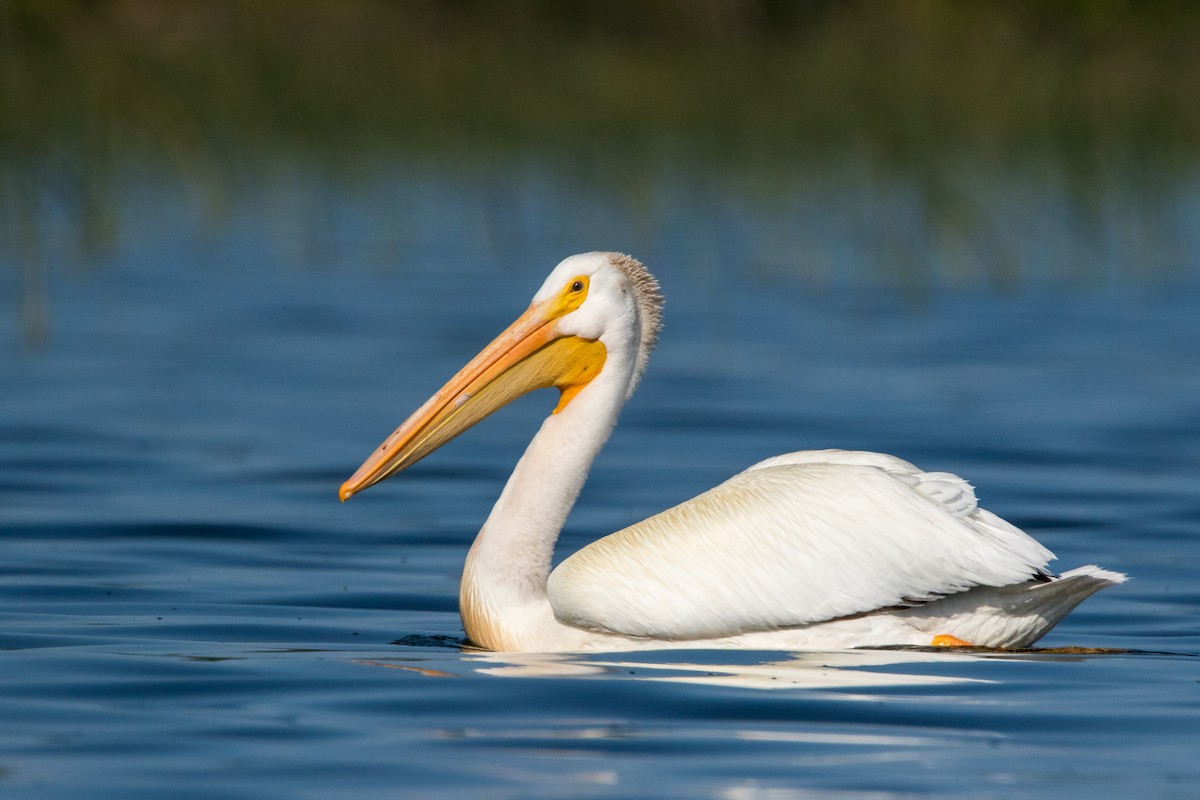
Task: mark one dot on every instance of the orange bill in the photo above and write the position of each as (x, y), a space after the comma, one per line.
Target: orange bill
(530, 354)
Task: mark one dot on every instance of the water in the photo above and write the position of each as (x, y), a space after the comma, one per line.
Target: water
(186, 609)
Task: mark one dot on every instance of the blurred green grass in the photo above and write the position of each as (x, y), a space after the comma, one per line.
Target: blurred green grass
(735, 80)
(215, 93)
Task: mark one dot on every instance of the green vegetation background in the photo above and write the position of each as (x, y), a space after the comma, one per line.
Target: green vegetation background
(735, 80)
(211, 94)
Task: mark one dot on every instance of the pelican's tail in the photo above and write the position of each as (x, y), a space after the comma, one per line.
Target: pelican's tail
(1012, 616)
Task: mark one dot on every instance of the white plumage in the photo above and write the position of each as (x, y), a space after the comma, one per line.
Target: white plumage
(815, 549)
(812, 537)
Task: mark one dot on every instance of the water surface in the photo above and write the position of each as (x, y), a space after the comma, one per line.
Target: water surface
(186, 609)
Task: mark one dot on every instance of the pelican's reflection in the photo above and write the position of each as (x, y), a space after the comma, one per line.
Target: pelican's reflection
(810, 670)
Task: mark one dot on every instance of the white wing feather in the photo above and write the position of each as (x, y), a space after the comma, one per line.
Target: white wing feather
(797, 539)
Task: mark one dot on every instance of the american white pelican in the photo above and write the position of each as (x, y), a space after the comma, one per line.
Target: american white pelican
(811, 550)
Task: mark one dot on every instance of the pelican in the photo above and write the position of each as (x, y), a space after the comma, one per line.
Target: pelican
(825, 549)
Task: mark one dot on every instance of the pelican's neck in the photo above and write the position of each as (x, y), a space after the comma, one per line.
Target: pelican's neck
(503, 593)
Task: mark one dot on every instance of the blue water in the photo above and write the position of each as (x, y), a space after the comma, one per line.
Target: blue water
(187, 611)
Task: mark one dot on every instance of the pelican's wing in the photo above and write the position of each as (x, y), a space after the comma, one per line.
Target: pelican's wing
(797, 539)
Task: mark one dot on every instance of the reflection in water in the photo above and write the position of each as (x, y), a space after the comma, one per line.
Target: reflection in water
(836, 230)
(815, 670)
(821, 670)
(836, 669)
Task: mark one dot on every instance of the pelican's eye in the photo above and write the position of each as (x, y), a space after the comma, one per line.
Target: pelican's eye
(571, 296)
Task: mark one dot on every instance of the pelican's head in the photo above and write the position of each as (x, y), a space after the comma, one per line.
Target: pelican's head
(595, 310)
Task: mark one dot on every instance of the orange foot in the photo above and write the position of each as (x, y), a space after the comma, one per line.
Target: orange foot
(946, 640)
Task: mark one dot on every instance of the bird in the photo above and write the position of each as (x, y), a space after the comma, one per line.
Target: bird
(811, 550)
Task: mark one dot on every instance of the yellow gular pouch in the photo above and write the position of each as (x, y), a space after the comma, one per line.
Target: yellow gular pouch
(568, 363)
(584, 358)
